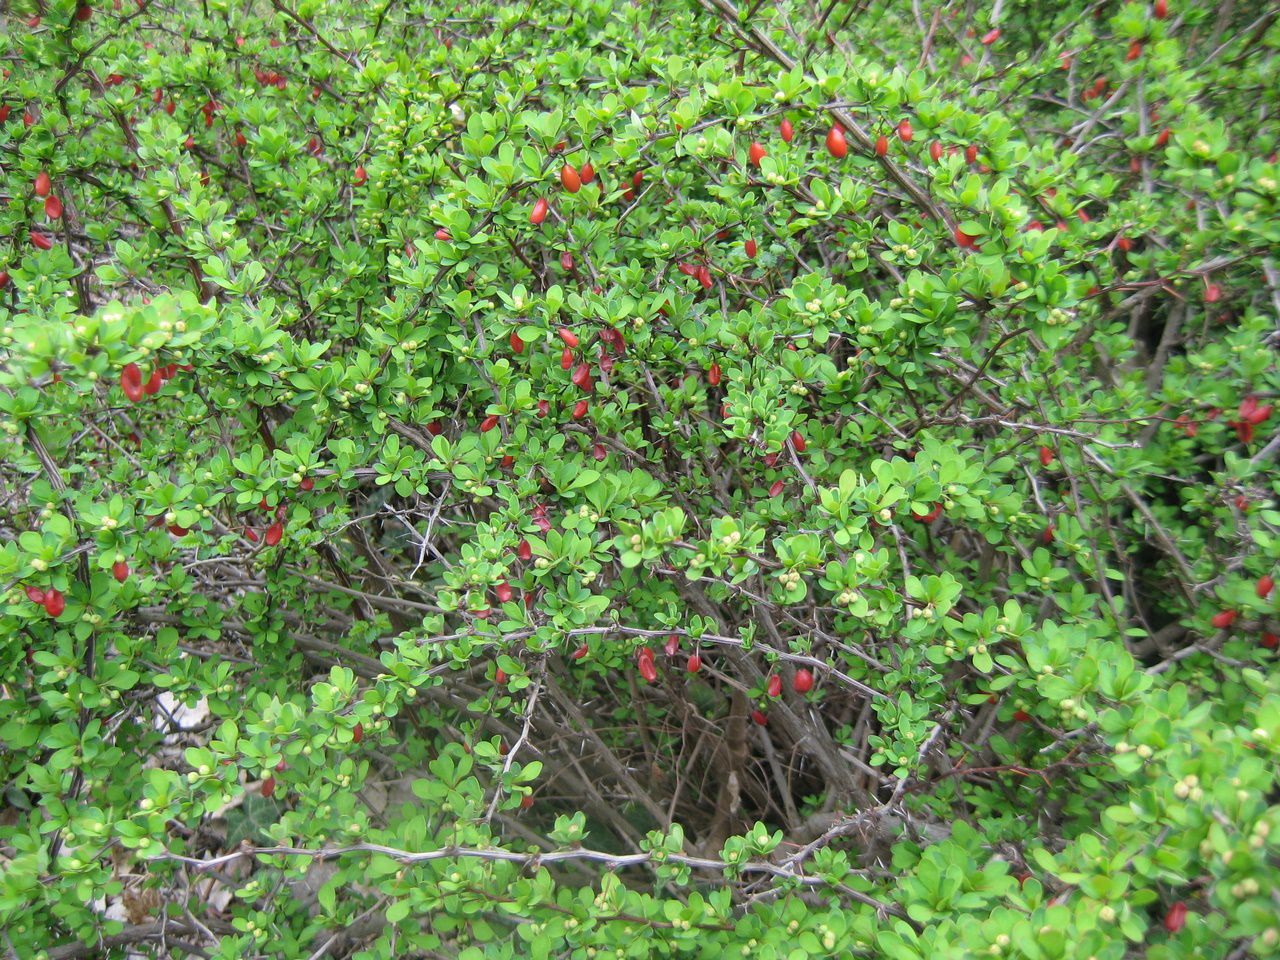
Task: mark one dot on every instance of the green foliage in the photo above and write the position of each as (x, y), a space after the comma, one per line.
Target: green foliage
(391, 569)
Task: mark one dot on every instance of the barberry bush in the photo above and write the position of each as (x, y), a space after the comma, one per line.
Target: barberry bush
(669, 478)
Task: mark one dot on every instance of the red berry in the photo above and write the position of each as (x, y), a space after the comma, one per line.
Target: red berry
(714, 375)
(694, 664)
(882, 145)
(539, 211)
(1270, 641)
(1265, 584)
(647, 668)
(1021, 716)
(269, 786)
(776, 488)
(524, 551)
(516, 343)
(935, 151)
(599, 453)
(1160, 9)
(580, 409)
(1047, 536)
(442, 234)
(569, 179)
(836, 144)
(580, 652)
(787, 131)
(54, 603)
(1135, 50)
(756, 153)
(504, 592)
(991, 37)
(750, 248)
(131, 382)
(526, 802)
(566, 260)
(544, 408)
(361, 176)
(1163, 138)
(1224, 619)
(760, 718)
(569, 337)
(971, 152)
(672, 644)
(581, 377)
(43, 184)
(500, 676)
(357, 733)
(587, 173)
(798, 441)
(34, 594)
(488, 423)
(40, 241)
(802, 682)
(905, 133)
(120, 570)
(274, 534)
(774, 687)
(1046, 456)
(1176, 918)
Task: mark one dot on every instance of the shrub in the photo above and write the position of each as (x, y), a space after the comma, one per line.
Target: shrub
(639, 480)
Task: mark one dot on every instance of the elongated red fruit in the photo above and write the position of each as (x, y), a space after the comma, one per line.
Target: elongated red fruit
(568, 336)
(1224, 619)
(131, 382)
(54, 602)
(120, 570)
(34, 594)
(750, 248)
(581, 376)
(991, 37)
(442, 234)
(836, 144)
(524, 551)
(1161, 9)
(274, 534)
(586, 172)
(53, 208)
(776, 488)
(43, 184)
(671, 644)
(580, 409)
(579, 653)
(488, 423)
(694, 664)
(756, 153)
(803, 680)
(307, 485)
(905, 133)
(154, 383)
(714, 375)
(517, 344)
(647, 668)
(269, 787)
(361, 176)
(1176, 918)
(503, 592)
(882, 145)
(935, 151)
(40, 241)
(774, 687)
(971, 152)
(1135, 50)
(1046, 456)
(759, 717)
(1265, 584)
(569, 179)
(566, 358)
(788, 132)
(798, 441)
